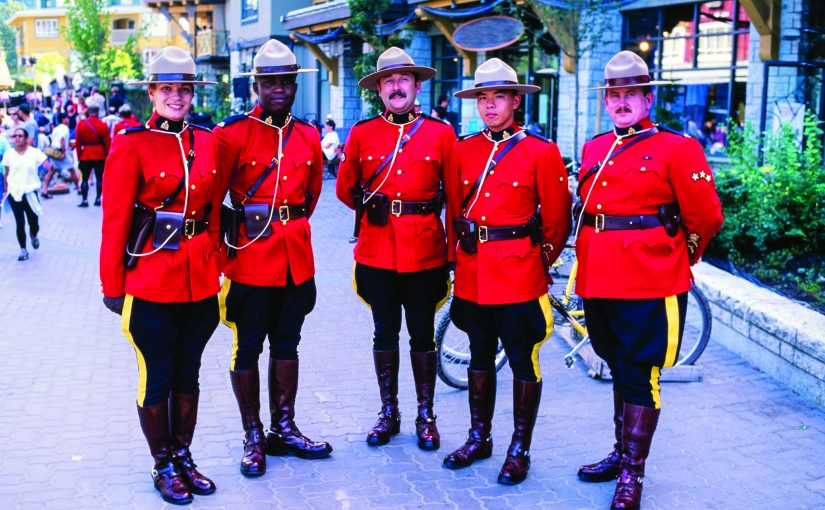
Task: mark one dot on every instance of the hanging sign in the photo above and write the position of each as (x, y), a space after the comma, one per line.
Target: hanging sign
(490, 33)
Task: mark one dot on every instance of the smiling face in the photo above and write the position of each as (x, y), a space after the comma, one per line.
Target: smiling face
(628, 105)
(171, 100)
(276, 93)
(398, 91)
(497, 108)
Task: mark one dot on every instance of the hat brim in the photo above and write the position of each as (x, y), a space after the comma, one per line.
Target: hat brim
(471, 93)
(648, 84)
(370, 81)
(190, 82)
(253, 73)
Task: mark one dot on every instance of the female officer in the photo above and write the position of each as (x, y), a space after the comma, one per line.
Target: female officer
(159, 264)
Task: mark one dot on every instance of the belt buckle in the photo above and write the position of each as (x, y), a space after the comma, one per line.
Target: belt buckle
(599, 217)
(482, 234)
(283, 213)
(395, 208)
(189, 227)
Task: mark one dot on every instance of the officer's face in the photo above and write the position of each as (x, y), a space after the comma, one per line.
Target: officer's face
(628, 106)
(276, 93)
(171, 100)
(497, 108)
(398, 91)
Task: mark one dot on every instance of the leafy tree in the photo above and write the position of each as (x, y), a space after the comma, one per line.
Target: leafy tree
(49, 63)
(7, 33)
(578, 26)
(365, 15)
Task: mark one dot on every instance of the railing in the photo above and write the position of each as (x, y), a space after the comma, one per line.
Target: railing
(211, 43)
(120, 35)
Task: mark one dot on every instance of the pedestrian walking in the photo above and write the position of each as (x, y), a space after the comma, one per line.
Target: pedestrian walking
(275, 165)
(60, 155)
(159, 265)
(509, 206)
(391, 174)
(21, 184)
(649, 210)
(329, 145)
(92, 142)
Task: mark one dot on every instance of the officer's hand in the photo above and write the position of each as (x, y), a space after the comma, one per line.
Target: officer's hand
(115, 304)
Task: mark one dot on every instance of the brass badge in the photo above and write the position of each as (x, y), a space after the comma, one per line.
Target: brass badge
(165, 125)
(410, 117)
(631, 131)
(389, 117)
(268, 119)
(693, 240)
(505, 135)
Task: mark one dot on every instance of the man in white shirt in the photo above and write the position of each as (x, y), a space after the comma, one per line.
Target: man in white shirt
(329, 146)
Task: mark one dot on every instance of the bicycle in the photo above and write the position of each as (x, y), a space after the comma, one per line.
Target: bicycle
(453, 345)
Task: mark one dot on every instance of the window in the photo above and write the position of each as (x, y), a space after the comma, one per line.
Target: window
(45, 28)
(249, 11)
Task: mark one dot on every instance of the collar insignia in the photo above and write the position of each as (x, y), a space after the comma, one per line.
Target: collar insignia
(268, 119)
(631, 131)
(165, 125)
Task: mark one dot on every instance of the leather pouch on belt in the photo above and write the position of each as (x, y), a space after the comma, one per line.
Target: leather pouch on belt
(467, 231)
(256, 218)
(670, 217)
(378, 209)
(230, 226)
(143, 222)
(168, 230)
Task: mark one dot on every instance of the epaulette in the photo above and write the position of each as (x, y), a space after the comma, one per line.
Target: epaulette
(133, 129)
(365, 120)
(536, 135)
(464, 137)
(231, 120)
(671, 130)
(440, 121)
(601, 134)
(197, 126)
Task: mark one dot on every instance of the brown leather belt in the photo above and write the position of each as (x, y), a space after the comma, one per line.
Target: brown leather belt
(191, 227)
(486, 233)
(634, 222)
(397, 207)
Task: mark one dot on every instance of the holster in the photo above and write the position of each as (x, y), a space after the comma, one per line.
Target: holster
(467, 231)
(357, 194)
(231, 219)
(534, 228)
(670, 217)
(168, 230)
(256, 219)
(378, 209)
(438, 203)
(143, 221)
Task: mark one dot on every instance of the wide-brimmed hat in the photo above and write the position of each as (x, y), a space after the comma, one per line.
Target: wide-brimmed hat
(395, 60)
(495, 74)
(626, 69)
(173, 65)
(275, 58)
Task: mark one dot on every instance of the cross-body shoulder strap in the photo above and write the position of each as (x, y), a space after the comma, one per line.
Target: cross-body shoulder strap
(271, 165)
(595, 168)
(189, 162)
(521, 135)
(406, 138)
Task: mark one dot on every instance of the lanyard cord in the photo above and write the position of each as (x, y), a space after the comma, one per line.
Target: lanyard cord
(483, 178)
(590, 191)
(389, 167)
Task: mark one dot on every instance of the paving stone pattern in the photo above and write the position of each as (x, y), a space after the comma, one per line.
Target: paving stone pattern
(71, 439)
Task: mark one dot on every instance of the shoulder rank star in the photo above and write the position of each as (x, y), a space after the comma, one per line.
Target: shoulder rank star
(165, 125)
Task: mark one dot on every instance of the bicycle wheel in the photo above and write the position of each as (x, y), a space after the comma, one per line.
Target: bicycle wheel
(453, 347)
(697, 327)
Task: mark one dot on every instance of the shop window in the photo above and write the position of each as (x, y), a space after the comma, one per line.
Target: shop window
(249, 11)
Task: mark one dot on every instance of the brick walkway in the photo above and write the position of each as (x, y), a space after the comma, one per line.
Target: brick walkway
(71, 439)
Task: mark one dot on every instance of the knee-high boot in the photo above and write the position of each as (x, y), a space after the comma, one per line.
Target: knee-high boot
(608, 468)
(154, 421)
(184, 417)
(526, 399)
(479, 444)
(389, 418)
(284, 438)
(247, 387)
(637, 435)
(424, 372)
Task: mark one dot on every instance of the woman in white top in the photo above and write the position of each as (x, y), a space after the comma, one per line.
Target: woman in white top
(21, 184)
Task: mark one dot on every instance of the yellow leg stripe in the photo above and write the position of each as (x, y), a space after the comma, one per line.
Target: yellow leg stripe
(655, 372)
(234, 327)
(672, 311)
(126, 319)
(547, 311)
(355, 287)
(446, 295)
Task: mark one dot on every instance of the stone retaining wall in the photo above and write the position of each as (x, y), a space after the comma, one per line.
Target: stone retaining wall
(782, 338)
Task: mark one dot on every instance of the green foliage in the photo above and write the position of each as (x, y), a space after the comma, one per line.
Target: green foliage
(662, 113)
(217, 100)
(774, 225)
(364, 16)
(120, 62)
(7, 33)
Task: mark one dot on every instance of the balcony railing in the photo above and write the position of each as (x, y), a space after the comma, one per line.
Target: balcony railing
(120, 35)
(211, 43)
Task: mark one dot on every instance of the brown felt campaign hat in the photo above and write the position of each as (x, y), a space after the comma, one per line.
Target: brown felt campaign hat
(173, 65)
(275, 58)
(626, 69)
(495, 74)
(395, 60)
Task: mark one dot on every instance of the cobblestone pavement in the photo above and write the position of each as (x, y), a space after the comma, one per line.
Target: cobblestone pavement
(71, 439)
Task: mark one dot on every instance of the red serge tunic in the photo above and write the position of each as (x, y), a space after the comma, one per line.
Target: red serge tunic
(639, 264)
(145, 165)
(92, 139)
(244, 146)
(532, 174)
(409, 242)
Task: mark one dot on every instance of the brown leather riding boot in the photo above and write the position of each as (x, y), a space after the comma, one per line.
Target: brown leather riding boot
(283, 437)
(247, 387)
(389, 418)
(154, 421)
(184, 415)
(637, 434)
(608, 468)
(526, 399)
(479, 444)
(424, 372)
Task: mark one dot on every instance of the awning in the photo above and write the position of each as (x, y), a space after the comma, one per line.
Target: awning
(461, 13)
(391, 27)
(318, 39)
